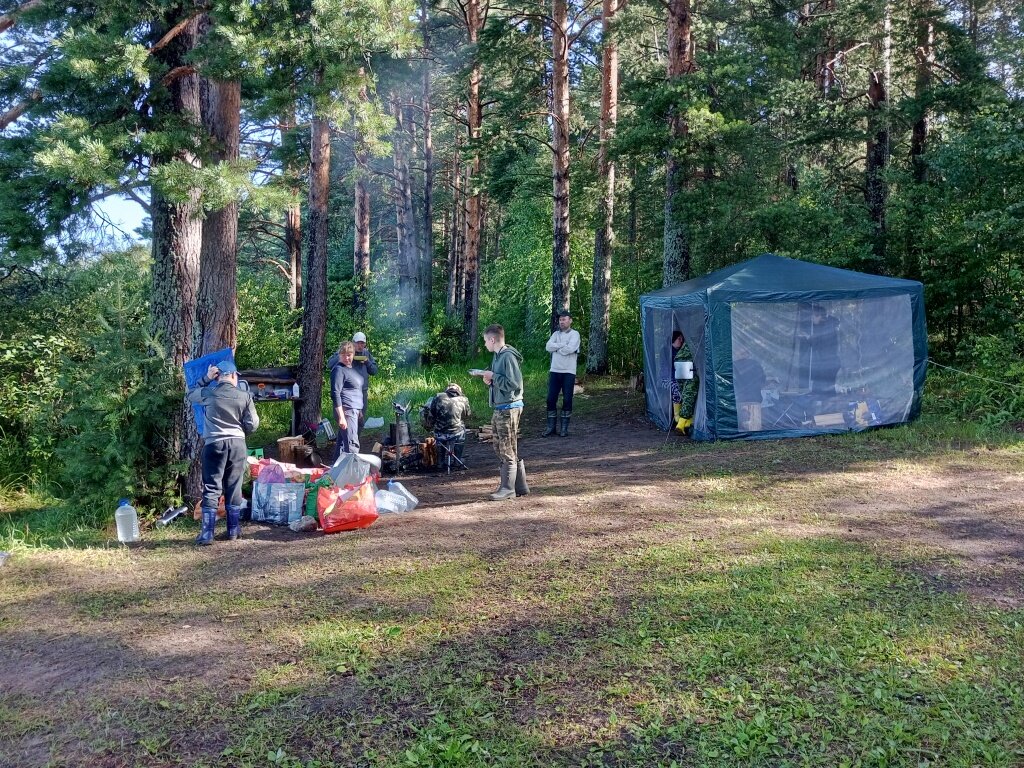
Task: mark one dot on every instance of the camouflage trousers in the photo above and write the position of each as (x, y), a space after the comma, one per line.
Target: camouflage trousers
(506, 434)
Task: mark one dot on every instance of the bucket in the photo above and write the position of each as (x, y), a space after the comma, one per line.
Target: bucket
(684, 369)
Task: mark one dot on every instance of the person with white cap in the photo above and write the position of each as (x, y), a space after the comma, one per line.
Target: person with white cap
(365, 365)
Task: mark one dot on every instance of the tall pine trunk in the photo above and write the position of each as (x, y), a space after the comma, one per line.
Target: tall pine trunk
(408, 261)
(561, 269)
(293, 222)
(925, 60)
(680, 63)
(604, 239)
(924, 55)
(361, 229)
(177, 227)
(218, 273)
(455, 237)
(474, 210)
(427, 281)
(876, 189)
(314, 309)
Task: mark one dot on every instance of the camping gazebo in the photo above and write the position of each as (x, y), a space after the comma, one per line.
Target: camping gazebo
(786, 348)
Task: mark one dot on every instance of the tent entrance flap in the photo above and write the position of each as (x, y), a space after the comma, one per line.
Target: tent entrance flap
(658, 327)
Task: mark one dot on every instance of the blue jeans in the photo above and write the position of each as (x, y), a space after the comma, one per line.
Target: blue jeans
(564, 383)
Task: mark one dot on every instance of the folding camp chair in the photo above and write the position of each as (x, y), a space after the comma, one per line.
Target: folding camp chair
(452, 444)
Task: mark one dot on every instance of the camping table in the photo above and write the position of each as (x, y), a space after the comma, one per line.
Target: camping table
(274, 378)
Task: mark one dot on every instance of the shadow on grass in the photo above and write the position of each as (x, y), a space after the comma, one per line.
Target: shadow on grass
(813, 651)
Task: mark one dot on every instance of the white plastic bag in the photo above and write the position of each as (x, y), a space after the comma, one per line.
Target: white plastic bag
(304, 524)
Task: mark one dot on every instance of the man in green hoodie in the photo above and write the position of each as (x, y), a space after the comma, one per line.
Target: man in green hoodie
(505, 380)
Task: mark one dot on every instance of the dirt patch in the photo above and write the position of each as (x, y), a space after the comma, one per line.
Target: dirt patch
(169, 620)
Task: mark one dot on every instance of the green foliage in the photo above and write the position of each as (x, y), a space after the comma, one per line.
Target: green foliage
(269, 331)
(991, 389)
(121, 397)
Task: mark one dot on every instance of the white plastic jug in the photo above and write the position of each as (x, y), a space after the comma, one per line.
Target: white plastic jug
(127, 521)
(684, 369)
(411, 501)
(389, 502)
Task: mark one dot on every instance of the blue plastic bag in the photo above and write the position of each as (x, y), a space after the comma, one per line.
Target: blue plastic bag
(194, 372)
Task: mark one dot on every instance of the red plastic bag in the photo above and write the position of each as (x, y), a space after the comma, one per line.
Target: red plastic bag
(341, 509)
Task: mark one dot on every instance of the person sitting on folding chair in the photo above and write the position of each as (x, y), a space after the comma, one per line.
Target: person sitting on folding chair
(448, 412)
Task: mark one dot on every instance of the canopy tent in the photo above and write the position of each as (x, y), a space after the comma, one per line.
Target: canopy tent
(786, 348)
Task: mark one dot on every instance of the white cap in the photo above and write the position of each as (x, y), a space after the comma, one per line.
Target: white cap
(359, 336)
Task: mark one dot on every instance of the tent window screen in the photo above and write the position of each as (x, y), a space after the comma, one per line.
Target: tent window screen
(822, 364)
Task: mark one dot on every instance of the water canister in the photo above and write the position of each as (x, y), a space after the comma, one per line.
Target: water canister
(684, 369)
(396, 487)
(127, 521)
(295, 390)
(387, 501)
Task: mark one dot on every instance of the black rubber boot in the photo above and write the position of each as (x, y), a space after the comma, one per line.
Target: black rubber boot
(234, 515)
(205, 537)
(564, 430)
(552, 417)
(507, 489)
(522, 489)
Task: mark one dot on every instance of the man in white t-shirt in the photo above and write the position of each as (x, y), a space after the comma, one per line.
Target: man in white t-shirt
(564, 346)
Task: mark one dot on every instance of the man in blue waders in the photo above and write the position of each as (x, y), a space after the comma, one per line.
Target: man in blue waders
(230, 416)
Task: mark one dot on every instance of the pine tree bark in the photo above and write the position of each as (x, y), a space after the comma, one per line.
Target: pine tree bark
(925, 58)
(218, 266)
(604, 239)
(293, 222)
(561, 268)
(314, 309)
(876, 189)
(676, 265)
(455, 236)
(408, 264)
(474, 18)
(177, 231)
(361, 246)
(427, 282)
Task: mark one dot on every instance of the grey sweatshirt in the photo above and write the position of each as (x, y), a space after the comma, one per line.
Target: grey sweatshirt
(507, 383)
(230, 412)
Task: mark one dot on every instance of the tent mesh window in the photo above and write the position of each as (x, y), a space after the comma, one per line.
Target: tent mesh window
(822, 364)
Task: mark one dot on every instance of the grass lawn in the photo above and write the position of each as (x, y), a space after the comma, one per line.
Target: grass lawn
(836, 601)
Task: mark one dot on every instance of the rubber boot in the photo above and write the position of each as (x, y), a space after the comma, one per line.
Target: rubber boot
(552, 417)
(564, 431)
(507, 489)
(234, 516)
(522, 489)
(205, 537)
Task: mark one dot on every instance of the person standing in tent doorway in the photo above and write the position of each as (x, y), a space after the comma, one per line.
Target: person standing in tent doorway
(685, 384)
(823, 341)
(564, 346)
(505, 382)
(230, 416)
